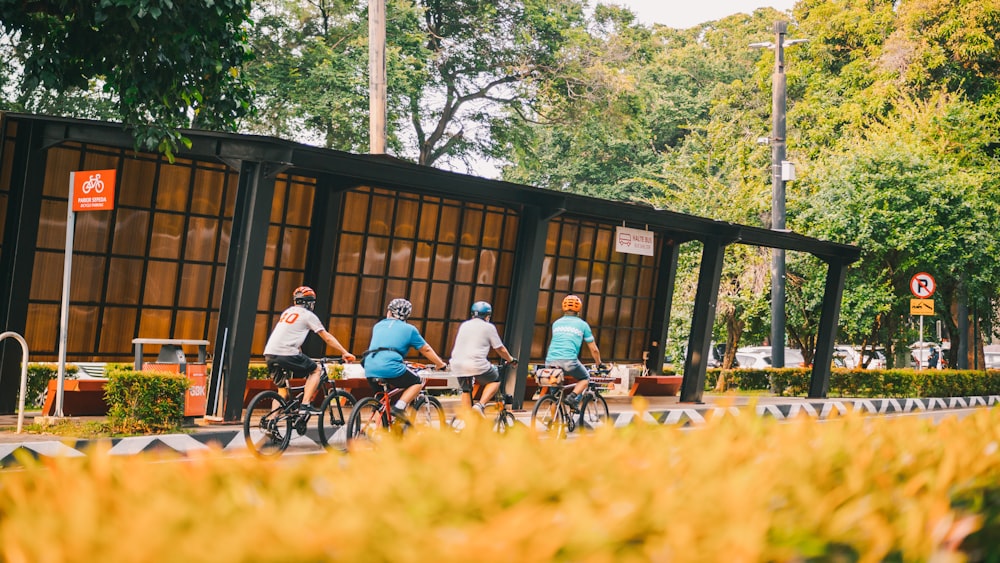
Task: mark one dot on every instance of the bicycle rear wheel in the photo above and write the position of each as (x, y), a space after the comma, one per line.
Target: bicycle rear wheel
(593, 411)
(335, 411)
(430, 412)
(368, 422)
(273, 431)
(503, 422)
(549, 417)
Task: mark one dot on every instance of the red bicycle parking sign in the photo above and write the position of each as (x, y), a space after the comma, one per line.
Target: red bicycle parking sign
(922, 285)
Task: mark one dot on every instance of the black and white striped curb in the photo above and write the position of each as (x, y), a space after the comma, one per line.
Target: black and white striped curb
(233, 440)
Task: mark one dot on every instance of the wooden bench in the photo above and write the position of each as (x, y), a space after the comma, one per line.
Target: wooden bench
(656, 385)
(81, 397)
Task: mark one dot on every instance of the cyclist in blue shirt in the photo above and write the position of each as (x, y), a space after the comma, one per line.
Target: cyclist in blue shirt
(392, 339)
(569, 332)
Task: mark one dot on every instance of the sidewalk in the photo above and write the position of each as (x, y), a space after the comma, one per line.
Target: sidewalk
(661, 410)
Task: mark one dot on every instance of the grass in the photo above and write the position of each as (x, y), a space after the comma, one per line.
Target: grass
(74, 428)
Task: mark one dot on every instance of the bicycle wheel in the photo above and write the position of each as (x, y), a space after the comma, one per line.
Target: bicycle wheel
(593, 411)
(548, 416)
(429, 412)
(335, 411)
(503, 422)
(273, 430)
(367, 423)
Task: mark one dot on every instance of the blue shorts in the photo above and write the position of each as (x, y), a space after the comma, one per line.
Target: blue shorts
(571, 367)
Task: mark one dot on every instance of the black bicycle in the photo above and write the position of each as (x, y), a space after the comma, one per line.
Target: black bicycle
(498, 408)
(553, 415)
(270, 435)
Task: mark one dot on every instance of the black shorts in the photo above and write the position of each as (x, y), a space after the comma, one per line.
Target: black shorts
(408, 379)
(489, 376)
(298, 365)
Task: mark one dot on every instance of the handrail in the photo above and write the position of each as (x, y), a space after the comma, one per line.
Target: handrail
(24, 375)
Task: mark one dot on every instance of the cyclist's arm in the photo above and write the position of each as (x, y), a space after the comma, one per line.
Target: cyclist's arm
(594, 352)
(431, 355)
(332, 342)
(502, 350)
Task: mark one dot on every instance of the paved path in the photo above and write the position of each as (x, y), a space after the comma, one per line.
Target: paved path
(662, 410)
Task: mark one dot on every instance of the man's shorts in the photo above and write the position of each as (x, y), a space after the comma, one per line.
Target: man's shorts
(408, 379)
(571, 367)
(298, 365)
(488, 376)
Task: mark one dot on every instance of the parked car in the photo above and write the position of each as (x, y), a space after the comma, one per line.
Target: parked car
(846, 356)
(753, 360)
(793, 356)
(992, 360)
(877, 360)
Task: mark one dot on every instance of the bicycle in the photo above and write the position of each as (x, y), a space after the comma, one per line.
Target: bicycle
(372, 417)
(553, 415)
(272, 433)
(497, 408)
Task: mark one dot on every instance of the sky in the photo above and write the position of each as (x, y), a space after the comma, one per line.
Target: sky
(689, 13)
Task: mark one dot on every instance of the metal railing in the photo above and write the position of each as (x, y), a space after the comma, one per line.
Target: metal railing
(24, 375)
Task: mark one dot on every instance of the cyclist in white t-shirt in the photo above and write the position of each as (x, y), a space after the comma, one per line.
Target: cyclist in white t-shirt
(476, 337)
(284, 347)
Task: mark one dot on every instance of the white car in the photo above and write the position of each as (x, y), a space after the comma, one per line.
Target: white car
(793, 356)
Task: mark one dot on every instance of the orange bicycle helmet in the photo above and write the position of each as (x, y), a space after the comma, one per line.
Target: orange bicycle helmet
(305, 297)
(572, 303)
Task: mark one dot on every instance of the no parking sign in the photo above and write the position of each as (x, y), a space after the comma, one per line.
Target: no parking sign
(922, 285)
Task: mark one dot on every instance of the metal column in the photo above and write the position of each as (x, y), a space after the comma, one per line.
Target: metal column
(17, 259)
(529, 255)
(819, 385)
(700, 341)
(662, 302)
(321, 257)
(241, 291)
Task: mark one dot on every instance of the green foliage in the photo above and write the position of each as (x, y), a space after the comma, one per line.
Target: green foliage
(141, 401)
(39, 376)
(167, 64)
(861, 383)
(258, 371)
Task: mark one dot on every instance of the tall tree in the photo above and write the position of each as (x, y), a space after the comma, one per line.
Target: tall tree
(168, 64)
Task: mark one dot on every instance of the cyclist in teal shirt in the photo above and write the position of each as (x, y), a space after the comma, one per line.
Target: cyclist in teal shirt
(569, 332)
(392, 339)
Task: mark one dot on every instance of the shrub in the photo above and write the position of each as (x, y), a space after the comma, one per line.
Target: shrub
(39, 376)
(141, 402)
(860, 489)
(258, 371)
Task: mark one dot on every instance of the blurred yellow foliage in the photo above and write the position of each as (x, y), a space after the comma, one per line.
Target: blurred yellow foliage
(741, 488)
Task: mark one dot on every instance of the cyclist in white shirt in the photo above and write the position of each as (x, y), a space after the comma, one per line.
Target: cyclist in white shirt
(283, 350)
(476, 337)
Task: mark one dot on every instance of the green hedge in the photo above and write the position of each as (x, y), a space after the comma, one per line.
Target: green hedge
(141, 401)
(890, 383)
(39, 376)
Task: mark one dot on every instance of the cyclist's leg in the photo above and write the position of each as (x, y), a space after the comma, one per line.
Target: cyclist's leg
(410, 384)
(465, 383)
(490, 382)
(575, 369)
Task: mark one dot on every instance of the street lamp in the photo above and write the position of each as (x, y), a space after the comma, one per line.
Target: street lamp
(779, 174)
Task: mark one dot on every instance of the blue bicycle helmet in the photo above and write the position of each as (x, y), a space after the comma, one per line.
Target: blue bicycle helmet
(481, 309)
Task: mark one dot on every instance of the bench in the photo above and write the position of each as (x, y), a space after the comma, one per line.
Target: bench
(656, 385)
(81, 397)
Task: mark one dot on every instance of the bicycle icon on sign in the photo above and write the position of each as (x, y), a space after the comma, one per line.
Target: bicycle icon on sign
(94, 184)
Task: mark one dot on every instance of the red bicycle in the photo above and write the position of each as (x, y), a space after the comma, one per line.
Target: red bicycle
(372, 417)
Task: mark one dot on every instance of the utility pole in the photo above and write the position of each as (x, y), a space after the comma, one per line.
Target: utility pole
(376, 77)
(778, 178)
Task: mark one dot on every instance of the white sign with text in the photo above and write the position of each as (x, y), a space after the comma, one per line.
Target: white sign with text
(634, 241)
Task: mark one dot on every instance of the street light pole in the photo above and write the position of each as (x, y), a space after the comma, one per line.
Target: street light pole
(777, 141)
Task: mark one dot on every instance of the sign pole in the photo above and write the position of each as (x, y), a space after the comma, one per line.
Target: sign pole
(920, 344)
(64, 309)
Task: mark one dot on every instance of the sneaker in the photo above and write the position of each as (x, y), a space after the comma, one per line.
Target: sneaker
(573, 401)
(480, 409)
(309, 409)
(400, 415)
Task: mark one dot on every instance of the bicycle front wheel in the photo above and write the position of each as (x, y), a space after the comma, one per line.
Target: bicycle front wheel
(335, 411)
(549, 417)
(272, 432)
(430, 413)
(593, 412)
(368, 422)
